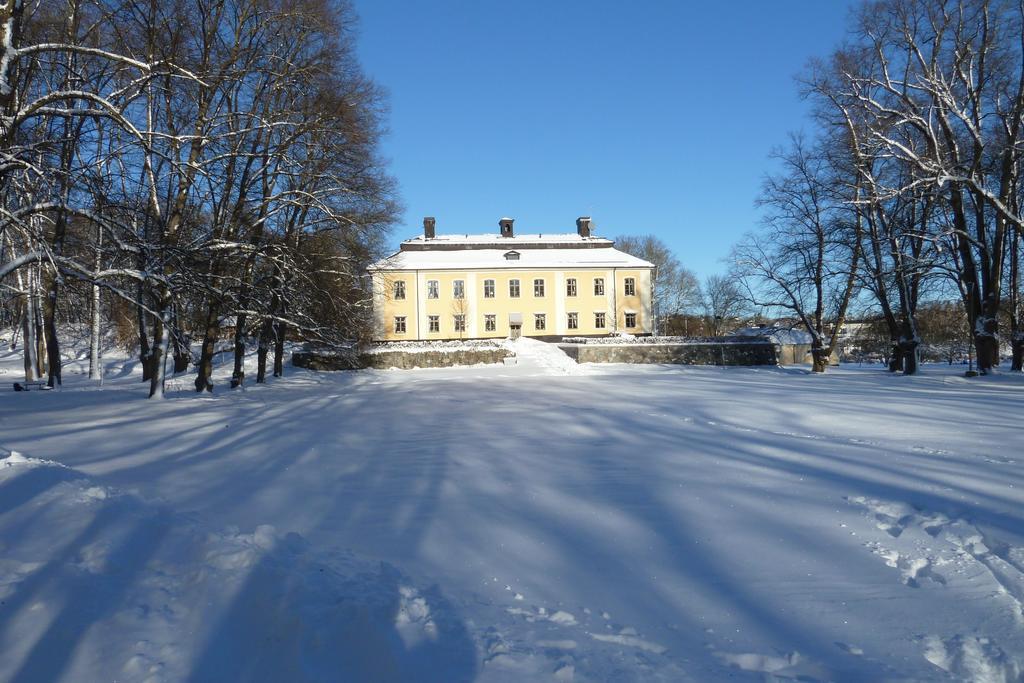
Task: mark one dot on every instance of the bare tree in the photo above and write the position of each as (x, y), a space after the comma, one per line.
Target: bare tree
(197, 159)
(944, 96)
(897, 250)
(1014, 304)
(676, 289)
(723, 302)
(805, 262)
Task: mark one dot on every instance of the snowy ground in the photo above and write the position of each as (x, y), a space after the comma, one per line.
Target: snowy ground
(506, 523)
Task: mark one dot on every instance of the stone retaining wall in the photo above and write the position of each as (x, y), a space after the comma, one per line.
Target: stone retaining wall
(323, 361)
(399, 359)
(432, 359)
(752, 353)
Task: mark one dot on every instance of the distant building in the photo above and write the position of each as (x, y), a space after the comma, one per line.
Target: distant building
(854, 336)
(793, 345)
(507, 285)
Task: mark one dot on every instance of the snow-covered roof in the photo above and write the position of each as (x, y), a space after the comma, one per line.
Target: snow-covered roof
(779, 335)
(494, 259)
(462, 252)
(518, 241)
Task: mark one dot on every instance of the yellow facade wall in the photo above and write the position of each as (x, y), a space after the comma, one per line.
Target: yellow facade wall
(555, 305)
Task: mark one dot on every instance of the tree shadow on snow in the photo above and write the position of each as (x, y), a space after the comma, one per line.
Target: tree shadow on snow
(383, 468)
(297, 617)
(79, 589)
(213, 606)
(628, 465)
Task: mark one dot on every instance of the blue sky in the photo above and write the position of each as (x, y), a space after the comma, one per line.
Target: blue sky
(652, 117)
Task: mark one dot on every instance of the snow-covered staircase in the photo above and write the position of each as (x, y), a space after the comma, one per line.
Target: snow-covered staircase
(542, 356)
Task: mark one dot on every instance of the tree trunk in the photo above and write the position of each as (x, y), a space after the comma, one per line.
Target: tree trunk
(50, 330)
(910, 353)
(17, 327)
(211, 332)
(270, 328)
(28, 334)
(94, 336)
(205, 367)
(279, 331)
(986, 343)
(180, 350)
(987, 350)
(1016, 331)
(145, 352)
(238, 371)
(160, 343)
(262, 350)
(819, 359)
(244, 298)
(181, 356)
(909, 342)
(71, 133)
(39, 336)
(896, 359)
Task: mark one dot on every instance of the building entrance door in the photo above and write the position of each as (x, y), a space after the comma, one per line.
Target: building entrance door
(515, 325)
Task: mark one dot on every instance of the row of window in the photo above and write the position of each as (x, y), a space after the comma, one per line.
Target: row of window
(459, 288)
(491, 322)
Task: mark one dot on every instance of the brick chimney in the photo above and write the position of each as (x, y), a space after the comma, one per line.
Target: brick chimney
(583, 226)
(506, 227)
(428, 227)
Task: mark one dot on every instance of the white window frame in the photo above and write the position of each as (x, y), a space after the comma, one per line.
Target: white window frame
(458, 289)
(538, 286)
(459, 320)
(433, 323)
(488, 289)
(490, 322)
(398, 291)
(625, 320)
(598, 286)
(541, 318)
(572, 321)
(400, 326)
(629, 286)
(600, 319)
(513, 293)
(570, 286)
(433, 289)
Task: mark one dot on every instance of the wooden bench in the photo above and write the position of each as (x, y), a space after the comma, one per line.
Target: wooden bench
(28, 386)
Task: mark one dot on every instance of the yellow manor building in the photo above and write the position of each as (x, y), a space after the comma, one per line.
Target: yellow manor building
(505, 285)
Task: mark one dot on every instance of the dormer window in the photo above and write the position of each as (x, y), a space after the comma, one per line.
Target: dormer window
(511, 255)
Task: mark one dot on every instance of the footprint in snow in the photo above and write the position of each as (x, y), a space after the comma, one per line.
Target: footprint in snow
(912, 569)
(788, 665)
(850, 649)
(972, 658)
(1003, 563)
